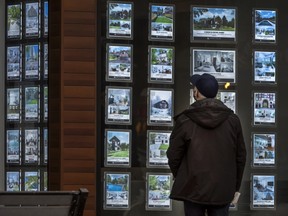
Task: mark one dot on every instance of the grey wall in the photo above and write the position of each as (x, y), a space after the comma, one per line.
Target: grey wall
(2, 69)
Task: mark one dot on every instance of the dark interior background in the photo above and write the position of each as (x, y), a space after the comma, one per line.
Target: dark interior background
(244, 88)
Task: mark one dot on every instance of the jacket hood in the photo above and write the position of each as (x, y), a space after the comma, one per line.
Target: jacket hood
(208, 113)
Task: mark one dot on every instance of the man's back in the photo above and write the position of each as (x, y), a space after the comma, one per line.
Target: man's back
(206, 154)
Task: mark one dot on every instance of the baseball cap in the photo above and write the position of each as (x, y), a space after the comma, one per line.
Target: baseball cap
(206, 84)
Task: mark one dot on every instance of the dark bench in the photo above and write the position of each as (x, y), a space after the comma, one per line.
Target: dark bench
(43, 203)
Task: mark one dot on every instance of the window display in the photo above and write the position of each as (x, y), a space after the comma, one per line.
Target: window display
(265, 67)
(117, 147)
(13, 147)
(158, 191)
(116, 191)
(13, 182)
(236, 43)
(157, 145)
(213, 24)
(120, 20)
(264, 108)
(14, 62)
(119, 63)
(32, 27)
(263, 192)
(14, 21)
(160, 107)
(118, 105)
(265, 25)
(161, 22)
(220, 63)
(263, 145)
(161, 64)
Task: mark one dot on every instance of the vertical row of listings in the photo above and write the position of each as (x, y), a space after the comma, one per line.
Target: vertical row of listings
(26, 90)
(118, 103)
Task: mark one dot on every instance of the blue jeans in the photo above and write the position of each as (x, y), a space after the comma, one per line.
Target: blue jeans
(195, 209)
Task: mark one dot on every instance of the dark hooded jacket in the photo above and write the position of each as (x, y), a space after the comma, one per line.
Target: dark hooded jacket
(206, 154)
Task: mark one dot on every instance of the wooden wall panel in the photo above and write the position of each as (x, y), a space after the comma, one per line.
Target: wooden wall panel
(79, 55)
(79, 116)
(83, 5)
(84, 17)
(75, 178)
(73, 88)
(86, 30)
(84, 104)
(74, 141)
(79, 92)
(79, 42)
(71, 79)
(79, 67)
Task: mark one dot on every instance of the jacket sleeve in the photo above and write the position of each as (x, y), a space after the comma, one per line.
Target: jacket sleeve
(177, 146)
(240, 155)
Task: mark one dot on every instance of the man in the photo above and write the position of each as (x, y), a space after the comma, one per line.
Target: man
(207, 152)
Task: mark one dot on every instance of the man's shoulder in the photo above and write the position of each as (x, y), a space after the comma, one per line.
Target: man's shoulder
(234, 117)
(181, 118)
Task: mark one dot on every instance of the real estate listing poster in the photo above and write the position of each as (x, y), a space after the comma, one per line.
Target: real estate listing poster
(160, 106)
(14, 21)
(119, 63)
(31, 103)
(161, 64)
(220, 63)
(117, 191)
(118, 105)
(264, 108)
(228, 98)
(265, 67)
(265, 25)
(45, 181)
(120, 20)
(46, 16)
(45, 143)
(13, 104)
(158, 191)
(117, 147)
(45, 60)
(264, 153)
(32, 20)
(263, 192)
(13, 182)
(14, 61)
(32, 61)
(13, 146)
(31, 180)
(157, 145)
(213, 24)
(31, 146)
(45, 96)
(161, 22)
